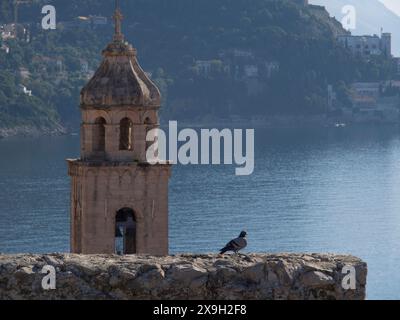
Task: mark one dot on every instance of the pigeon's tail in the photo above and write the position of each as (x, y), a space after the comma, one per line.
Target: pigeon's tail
(227, 248)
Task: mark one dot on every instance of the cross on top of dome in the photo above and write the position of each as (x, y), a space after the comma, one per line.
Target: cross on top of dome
(119, 80)
(118, 17)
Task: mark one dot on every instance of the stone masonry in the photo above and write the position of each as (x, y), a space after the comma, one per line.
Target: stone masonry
(204, 277)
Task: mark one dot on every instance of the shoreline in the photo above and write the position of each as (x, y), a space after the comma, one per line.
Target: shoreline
(36, 132)
(32, 131)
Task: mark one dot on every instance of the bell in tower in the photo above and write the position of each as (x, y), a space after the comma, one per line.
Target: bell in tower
(119, 202)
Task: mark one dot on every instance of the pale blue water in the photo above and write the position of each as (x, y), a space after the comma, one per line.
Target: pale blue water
(321, 190)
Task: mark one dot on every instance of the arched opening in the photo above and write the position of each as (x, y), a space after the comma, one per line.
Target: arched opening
(125, 134)
(99, 135)
(125, 232)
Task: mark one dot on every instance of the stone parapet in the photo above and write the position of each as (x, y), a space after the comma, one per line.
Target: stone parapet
(204, 277)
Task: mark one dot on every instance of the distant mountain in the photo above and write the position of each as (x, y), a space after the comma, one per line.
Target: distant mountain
(372, 15)
(212, 59)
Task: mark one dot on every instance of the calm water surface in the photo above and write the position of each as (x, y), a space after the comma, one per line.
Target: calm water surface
(325, 190)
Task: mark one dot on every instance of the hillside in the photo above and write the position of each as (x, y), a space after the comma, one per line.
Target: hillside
(211, 59)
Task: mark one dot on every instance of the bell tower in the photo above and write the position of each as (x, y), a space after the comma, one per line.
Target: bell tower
(119, 202)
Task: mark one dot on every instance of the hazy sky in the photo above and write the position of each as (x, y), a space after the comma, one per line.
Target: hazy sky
(393, 5)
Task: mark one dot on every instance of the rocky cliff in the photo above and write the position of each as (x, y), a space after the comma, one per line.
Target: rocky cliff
(256, 276)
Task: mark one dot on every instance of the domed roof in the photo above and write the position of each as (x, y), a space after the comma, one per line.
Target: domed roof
(120, 81)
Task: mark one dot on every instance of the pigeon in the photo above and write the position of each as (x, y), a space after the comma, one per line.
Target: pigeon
(237, 244)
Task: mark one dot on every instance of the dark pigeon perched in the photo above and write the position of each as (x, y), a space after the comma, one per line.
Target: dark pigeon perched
(237, 244)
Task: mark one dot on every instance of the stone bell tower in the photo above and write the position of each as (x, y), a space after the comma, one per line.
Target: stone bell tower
(119, 202)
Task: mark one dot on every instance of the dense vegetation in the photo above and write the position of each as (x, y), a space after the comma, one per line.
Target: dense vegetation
(171, 35)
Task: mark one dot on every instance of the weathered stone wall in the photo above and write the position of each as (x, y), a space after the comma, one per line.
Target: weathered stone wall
(256, 276)
(100, 189)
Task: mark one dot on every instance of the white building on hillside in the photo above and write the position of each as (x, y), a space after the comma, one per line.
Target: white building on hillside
(5, 48)
(24, 90)
(368, 45)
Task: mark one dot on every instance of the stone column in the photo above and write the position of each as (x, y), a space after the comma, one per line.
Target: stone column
(139, 142)
(87, 140)
(112, 140)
